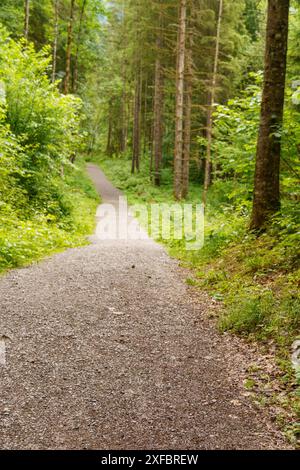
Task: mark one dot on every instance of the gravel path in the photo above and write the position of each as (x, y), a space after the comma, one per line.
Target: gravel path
(107, 348)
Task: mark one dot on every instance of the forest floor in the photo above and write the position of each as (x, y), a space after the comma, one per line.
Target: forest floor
(106, 346)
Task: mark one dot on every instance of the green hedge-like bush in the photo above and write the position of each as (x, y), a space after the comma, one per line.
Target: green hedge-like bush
(41, 191)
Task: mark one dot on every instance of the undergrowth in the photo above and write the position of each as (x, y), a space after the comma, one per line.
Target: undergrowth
(30, 233)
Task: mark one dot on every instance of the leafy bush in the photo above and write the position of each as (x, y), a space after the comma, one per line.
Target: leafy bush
(236, 126)
(234, 147)
(46, 203)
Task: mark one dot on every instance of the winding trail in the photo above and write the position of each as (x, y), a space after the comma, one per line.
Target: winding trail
(107, 348)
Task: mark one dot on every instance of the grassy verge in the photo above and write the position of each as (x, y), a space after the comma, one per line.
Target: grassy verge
(28, 234)
(254, 280)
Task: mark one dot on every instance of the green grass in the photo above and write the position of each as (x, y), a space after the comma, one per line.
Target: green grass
(29, 235)
(255, 280)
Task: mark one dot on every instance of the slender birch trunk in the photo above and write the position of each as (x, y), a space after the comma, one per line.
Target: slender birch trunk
(110, 130)
(158, 108)
(137, 124)
(180, 101)
(55, 40)
(212, 96)
(26, 18)
(75, 77)
(69, 49)
(124, 129)
(188, 119)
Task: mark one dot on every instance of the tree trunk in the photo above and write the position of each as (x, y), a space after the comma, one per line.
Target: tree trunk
(26, 18)
(267, 173)
(124, 105)
(75, 77)
(188, 120)
(55, 40)
(124, 129)
(212, 96)
(158, 109)
(145, 117)
(137, 124)
(179, 102)
(69, 49)
(110, 130)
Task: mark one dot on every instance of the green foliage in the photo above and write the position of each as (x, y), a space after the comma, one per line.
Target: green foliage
(40, 210)
(234, 147)
(260, 284)
(24, 239)
(294, 42)
(236, 127)
(12, 16)
(252, 18)
(45, 122)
